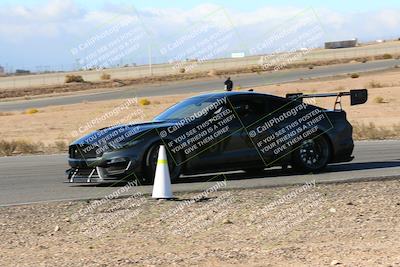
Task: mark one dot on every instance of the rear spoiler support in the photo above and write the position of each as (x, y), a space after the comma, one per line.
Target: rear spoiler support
(357, 97)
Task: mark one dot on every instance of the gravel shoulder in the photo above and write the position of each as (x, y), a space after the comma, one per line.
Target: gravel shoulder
(354, 224)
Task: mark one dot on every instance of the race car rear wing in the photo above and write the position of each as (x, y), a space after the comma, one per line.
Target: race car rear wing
(357, 97)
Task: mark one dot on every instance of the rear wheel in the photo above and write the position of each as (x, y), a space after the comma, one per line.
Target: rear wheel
(313, 154)
(151, 164)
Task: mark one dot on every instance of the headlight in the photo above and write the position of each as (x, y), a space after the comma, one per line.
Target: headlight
(123, 144)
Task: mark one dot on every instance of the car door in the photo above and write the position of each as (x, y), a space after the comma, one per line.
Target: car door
(237, 150)
(250, 109)
(219, 153)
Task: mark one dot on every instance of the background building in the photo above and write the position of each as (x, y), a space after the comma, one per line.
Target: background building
(21, 72)
(341, 44)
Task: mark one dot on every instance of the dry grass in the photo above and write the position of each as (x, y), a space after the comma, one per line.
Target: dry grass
(340, 88)
(383, 56)
(7, 148)
(257, 69)
(105, 76)
(61, 146)
(6, 113)
(375, 84)
(26, 147)
(144, 102)
(213, 73)
(31, 111)
(387, 56)
(371, 131)
(379, 100)
(17, 147)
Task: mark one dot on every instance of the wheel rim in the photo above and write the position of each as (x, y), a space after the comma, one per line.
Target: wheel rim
(154, 158)
(313, 154)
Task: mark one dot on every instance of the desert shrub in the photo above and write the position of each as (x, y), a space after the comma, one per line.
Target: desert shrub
(61, 145)
(255, 69)
(375, 84)
(387, 56)
(105, 76)
(144, 102)
(31, 111)
(355, 75)
(379, 100)
(182, 70)
(74, 78)
(7, 148)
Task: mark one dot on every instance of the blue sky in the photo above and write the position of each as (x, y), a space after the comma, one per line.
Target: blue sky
(340, 5)
(40, 34)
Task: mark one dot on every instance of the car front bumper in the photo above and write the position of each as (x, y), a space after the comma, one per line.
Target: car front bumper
(110, 167)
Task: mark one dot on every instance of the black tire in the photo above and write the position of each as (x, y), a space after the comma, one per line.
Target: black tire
(313, 154)
(151, 163)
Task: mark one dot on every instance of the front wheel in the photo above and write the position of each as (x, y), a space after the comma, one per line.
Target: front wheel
(313, 154)
(174, 165)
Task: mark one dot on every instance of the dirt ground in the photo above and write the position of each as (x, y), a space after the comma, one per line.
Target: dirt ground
(64, 123)
(356, 224)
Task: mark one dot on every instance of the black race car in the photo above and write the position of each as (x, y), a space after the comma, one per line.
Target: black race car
(220, 132)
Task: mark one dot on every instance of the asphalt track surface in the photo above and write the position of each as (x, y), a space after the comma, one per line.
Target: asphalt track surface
(204, 85)
(32, 179)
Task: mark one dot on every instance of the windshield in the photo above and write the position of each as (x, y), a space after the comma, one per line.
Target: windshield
(197, 107)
